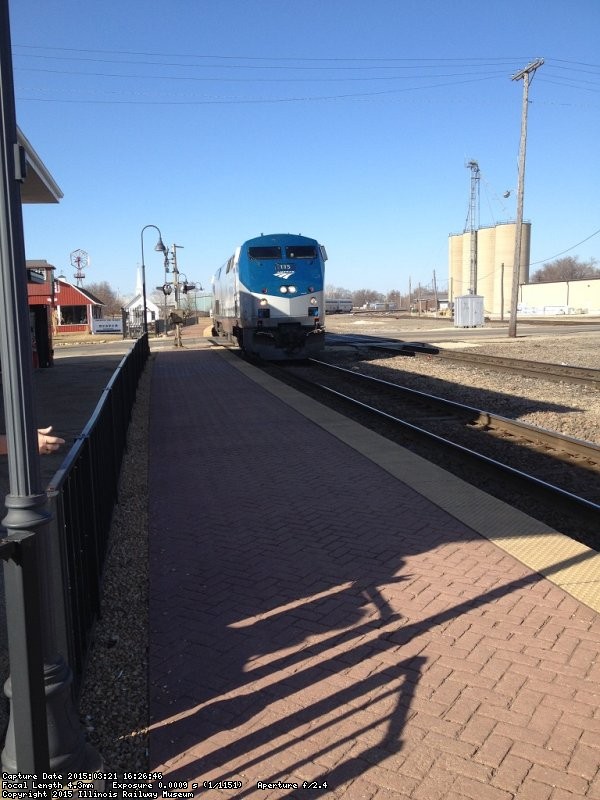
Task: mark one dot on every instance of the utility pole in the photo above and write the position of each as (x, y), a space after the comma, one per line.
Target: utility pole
(526, 74)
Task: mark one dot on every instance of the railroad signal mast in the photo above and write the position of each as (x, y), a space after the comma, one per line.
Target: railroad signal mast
(176, 287)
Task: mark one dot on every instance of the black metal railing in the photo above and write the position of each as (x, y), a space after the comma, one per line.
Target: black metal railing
(133, 324)
(82, 496)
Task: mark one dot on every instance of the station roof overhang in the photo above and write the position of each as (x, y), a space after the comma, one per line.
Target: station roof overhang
(39, 186)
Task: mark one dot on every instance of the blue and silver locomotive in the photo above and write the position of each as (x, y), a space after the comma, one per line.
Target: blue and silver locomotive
(269, 297)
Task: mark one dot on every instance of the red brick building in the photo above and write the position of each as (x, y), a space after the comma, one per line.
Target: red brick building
(56, 306)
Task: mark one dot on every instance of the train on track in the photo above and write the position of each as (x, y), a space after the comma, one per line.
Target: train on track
(336, 305)
(268, 297)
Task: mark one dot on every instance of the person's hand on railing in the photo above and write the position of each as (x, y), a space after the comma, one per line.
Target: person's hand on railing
(48, 443)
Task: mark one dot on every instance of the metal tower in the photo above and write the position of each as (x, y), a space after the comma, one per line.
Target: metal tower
(473, 223)
(80, 260)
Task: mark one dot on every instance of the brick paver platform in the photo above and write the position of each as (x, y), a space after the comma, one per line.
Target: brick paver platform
(316, 620)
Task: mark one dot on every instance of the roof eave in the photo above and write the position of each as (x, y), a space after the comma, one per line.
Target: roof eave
(39, 186)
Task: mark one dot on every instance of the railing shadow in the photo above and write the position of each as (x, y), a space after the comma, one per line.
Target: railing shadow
(372, 710)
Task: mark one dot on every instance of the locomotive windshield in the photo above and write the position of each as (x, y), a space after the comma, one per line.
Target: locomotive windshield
(301, 251)
(264, 252)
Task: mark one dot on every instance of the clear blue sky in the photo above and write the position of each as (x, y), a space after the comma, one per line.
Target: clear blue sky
(347, 120)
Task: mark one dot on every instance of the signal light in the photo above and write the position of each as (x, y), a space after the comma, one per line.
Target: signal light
(188, 287)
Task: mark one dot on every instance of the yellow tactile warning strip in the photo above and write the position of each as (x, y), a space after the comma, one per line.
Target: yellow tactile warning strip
(563, 561)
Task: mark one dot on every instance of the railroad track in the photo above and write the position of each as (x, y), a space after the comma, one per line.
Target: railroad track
(535, 369)
(546, 474)
(562, 445)
(562, 373)
(549, 475)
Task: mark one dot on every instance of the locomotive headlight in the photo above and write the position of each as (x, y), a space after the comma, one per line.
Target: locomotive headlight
(263, 301)
(292, 289)
(283, 289)
(313, 301)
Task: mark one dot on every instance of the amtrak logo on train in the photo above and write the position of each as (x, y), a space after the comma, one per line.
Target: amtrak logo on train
(284, 271)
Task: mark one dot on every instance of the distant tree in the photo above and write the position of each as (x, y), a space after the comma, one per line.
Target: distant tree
(337, 292)
(363, 296)
(104, 292)
(187, 300)
(157, 296)
(395, 298)
(568, 268)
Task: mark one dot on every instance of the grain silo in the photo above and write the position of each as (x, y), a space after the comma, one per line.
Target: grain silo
(495, 253)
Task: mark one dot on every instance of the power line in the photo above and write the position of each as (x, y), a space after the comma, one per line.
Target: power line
(254, 101)
(576, 63)
(544, 260)
(570, 85)
(485, 61)
(251, 80)
(269, 66)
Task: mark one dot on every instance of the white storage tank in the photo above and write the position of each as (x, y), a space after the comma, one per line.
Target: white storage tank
(495, 256)
(468, 311)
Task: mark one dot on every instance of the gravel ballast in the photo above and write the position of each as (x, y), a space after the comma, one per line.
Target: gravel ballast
(570, 409)
(114, 699)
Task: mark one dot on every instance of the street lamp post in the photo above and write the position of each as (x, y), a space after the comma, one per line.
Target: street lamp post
(160, 248)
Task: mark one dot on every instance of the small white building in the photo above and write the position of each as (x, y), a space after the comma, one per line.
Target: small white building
(135, 306)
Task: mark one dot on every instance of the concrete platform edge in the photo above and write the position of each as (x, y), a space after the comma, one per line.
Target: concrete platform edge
(568, 564)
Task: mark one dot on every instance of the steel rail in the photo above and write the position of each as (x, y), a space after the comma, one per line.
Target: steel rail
(557, 441)
(538, 369)
(538, 482)
(548, 371)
